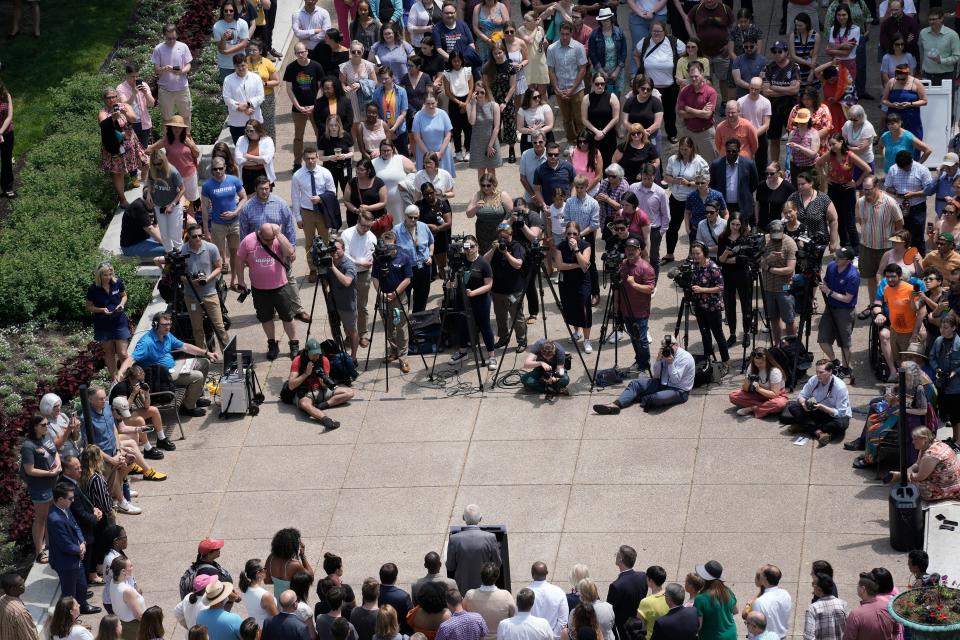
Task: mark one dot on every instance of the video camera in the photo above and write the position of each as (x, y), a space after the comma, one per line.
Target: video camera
(176, 260)
(613, 260)
(750, 249)
(456, 254)
(321, 253)
(383, 255)
(810, 250)
(682, 275)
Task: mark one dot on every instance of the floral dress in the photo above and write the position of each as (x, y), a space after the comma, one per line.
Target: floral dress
(120, 150)
(944, 482)
(708, 275)
(501, 86)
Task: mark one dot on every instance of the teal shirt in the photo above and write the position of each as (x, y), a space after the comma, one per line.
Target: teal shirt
(717, 619)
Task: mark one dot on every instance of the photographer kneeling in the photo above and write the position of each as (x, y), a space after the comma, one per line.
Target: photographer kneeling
(670, 383)
(547, 362)
(478, 280)
(822, 410)
(762, 392)
(310, 387)
(201, 267)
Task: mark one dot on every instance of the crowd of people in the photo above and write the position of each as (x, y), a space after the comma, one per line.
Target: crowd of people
(468, 602)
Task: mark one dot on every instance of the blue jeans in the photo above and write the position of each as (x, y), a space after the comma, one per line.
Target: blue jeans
(639, 29)
(148, 248)
(648, 392)
(637, 330)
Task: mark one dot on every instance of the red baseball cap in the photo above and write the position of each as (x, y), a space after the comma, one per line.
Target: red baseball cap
(209, 544)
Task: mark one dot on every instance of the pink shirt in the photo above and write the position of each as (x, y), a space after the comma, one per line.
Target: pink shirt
(265, 272)
(139, 104)
(180, 156)
(870, 621)
(176, 56)
(755, 110)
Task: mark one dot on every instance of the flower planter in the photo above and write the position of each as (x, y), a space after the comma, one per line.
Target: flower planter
(928, 603)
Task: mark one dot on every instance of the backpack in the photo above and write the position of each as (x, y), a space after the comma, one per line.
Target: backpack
(784, 354)
(186, 580)
(703, 371)
(645, 46)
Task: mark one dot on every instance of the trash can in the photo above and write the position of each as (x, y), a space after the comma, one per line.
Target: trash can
(906, 517)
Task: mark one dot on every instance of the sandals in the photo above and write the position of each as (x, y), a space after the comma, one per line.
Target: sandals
(95, 582)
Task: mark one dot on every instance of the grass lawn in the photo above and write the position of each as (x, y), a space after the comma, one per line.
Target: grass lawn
(75, 36)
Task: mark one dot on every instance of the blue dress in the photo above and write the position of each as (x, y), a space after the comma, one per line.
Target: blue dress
(911, 115)
(432, 130)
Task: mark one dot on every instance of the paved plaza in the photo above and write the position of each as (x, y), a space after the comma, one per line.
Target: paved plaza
(682, 486)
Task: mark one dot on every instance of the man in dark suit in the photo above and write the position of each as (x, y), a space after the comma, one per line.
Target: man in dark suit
(469, 549)
(285, 625)
(680, 622)
(736, 178)
(67, 548)
(394, 595)
(630, 587)
(90, 518)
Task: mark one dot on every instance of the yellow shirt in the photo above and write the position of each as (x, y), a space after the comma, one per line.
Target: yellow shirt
(651, 608)
(264, 69)
(682, 73)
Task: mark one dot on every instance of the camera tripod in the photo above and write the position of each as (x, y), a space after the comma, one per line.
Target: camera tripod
(683, 315)
(805, 310)
(467, 312)
(380, 307)
(758, 313)
(539, 271)
(611, 314)
(323, 273)
(178, 306)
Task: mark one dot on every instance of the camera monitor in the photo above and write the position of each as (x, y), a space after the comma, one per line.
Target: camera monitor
(230, 356)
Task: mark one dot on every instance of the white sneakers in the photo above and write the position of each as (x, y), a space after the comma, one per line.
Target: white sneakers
(492, 364)
(744, 411)
(587, 347)
(129, 508)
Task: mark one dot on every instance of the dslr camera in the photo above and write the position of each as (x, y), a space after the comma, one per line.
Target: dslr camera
(753, 379)
(199, 276)
(666, 346)
(810, 250)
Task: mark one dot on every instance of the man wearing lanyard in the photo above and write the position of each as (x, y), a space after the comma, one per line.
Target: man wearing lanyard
(823, 407)
(308, 183)
(671, 381)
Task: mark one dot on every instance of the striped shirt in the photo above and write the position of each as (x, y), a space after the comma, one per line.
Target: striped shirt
(607, 212)
(463, 625)
(877, 220)
(654, 202)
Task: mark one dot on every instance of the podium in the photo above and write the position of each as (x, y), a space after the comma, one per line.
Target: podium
(500, 531)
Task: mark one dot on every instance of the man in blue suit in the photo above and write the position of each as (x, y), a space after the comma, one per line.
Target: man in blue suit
(630, 587)
(736, 178)
(680, 622)
(67, 548)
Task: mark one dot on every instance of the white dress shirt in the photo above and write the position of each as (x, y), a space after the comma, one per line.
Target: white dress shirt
(266, 151)
(247, 89)
(526, 626)
(359, 247)
(833, 394)
(775, 604)
(304, 23)
(300, 188)
(550, 604)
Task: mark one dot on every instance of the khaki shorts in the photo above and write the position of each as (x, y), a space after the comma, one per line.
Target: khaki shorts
(899, 342)
(226, 235)
(172, 102)
(870, 261)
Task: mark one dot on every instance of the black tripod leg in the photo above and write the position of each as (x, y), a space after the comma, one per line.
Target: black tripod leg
(471, 327)
(603, 336)
(373, 328)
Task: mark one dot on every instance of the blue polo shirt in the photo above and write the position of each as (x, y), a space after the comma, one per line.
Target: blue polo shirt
(550, 179)
(104, 435)
(846, 282)
(401, 267)
(151, 350)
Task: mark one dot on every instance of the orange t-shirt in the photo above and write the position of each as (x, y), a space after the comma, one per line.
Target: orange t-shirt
(903, 316)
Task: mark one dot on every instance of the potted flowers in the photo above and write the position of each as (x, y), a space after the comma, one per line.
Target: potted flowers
(929, 612)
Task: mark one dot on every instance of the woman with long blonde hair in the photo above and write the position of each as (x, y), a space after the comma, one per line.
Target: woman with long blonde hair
(163, 193)
(106, 301)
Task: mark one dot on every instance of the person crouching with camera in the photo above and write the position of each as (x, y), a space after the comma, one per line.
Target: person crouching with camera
(204, 265)
(638, 281)
(342, 277)
(762, 392)
(840, 287)
(822, 410)
(310, 388)
(707, 289)
(509, 285)
(548, 364)
(477, 283)
(670, 382)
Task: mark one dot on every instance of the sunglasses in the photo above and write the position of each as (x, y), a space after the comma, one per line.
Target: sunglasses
(777, 50)
(600, 84)
(539, 143)
(469, 246)
(535, 96)
(218, 168)
(771, 173)
(196, 235)
(553, 155)
(510, 32)
(644, 89)
(486, 184)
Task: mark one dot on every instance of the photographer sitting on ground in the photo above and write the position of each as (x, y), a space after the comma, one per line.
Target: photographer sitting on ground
(777, 266)
(157, 346)
(203, 266)
(638, 282)
(342, 277)
(822, 410)
(840, 286)
(547, 363)
(477, 282)
(669, 384)
(261, 252)
(509, 285)
(310, 388)
(762, 392)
